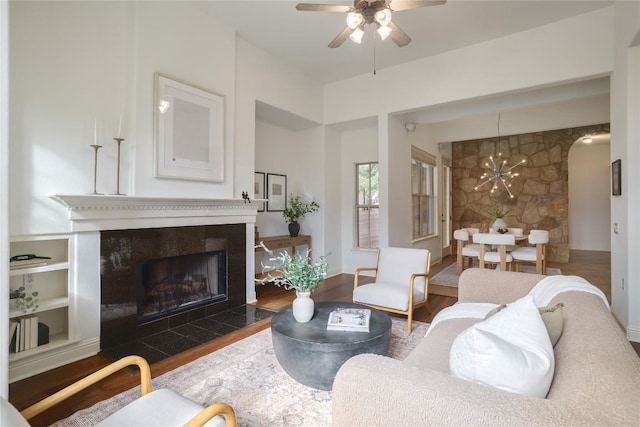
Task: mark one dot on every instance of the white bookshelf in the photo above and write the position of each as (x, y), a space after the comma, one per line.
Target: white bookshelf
(53, 282)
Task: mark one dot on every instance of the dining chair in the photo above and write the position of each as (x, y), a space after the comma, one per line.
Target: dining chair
(497, 253)
(515, 231)
(466, 250)
(154, 408)
(533, 254)
(401, 282)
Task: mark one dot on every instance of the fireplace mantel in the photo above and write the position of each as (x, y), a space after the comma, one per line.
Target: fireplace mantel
(97, 212)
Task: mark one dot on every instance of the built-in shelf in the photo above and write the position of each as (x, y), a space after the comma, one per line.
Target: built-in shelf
(54, 308)
(54, 266)
(55, 342)
(46, 305)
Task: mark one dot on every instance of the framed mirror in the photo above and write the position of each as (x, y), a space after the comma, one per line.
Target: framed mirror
(189, 125)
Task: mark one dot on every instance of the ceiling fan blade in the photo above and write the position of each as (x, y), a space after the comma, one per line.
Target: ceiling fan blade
(398, 36)
(316, 7)
(340, 38)
(397, 5)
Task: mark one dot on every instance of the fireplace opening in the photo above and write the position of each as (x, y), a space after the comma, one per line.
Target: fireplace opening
(171, 285)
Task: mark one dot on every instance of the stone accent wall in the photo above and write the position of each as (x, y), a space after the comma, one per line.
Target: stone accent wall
(541, 199)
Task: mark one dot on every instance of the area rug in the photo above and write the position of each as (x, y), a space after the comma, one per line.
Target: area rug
(247, 376)
(449, 276)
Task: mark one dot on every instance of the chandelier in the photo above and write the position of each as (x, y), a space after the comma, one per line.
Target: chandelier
(499, 172)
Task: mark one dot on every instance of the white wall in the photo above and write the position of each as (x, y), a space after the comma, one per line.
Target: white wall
(262, 78)
(294, 154)
(74, 62)
(558, 52)
(4, 193)
(589, 194)
(279, 151)
(333, 185)
(625, 143)
(181, 42)
(67, 65)
(356, 146)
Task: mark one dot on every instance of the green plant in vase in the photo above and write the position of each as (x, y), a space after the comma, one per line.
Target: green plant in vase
(498, 212)
(298, 272)
(296, 210)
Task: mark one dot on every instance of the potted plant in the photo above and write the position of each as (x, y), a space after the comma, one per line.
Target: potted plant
(296, 210)
(298, 272)
(499, 213)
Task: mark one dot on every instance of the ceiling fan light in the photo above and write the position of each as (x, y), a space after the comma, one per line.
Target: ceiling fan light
(357, 35)
(354, 20)
(383, 17)
(384, 31)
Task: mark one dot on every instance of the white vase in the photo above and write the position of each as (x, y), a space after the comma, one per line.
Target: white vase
(499, 224)
(303, 306)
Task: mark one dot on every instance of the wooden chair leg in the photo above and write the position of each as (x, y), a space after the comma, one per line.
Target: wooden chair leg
(409, 321)
(539, 268)
(503, 258)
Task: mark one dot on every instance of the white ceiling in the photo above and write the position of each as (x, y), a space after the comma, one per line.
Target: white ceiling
(301, 38)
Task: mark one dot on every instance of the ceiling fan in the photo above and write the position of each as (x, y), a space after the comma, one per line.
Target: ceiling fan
(376, 12)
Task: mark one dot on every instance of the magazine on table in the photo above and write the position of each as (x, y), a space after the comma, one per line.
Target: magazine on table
(349, 319)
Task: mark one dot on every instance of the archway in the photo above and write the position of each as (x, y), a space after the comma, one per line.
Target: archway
(589, 194)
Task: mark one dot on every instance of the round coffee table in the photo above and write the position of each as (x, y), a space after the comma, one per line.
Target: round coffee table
(312, 355)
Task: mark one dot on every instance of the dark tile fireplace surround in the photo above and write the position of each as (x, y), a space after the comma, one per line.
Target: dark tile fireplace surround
(124, 252)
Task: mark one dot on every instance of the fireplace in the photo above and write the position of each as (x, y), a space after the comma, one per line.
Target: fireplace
(153, 279)
(180, 283)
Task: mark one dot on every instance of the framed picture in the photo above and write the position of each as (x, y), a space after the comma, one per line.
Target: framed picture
(616, 176)
(258, 188)
(189, 131)
(276, 192)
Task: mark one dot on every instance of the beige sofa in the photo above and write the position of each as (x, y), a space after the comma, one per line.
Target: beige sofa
(596, 380)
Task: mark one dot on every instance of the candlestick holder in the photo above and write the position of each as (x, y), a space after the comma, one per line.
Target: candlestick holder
(96, 147)
(118, 193)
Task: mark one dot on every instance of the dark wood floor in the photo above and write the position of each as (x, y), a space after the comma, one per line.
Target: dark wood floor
(594, 266)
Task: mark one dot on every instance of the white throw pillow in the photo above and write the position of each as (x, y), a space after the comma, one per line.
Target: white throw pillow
(510, 351)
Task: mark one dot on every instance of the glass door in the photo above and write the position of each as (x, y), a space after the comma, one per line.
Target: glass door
(445, 208)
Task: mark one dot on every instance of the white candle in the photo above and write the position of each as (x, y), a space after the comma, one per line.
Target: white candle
(120, 126)
(95, 131)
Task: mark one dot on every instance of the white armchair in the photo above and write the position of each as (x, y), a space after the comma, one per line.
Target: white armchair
(466, 250)
(533, 254)
(154, 408)
(401, 283)
(498, 256)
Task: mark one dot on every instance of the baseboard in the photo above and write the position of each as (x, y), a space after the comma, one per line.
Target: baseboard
(633, 334)
(39, 363)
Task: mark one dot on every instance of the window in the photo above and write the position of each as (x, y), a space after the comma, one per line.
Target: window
(367, 206)
(424, 200)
